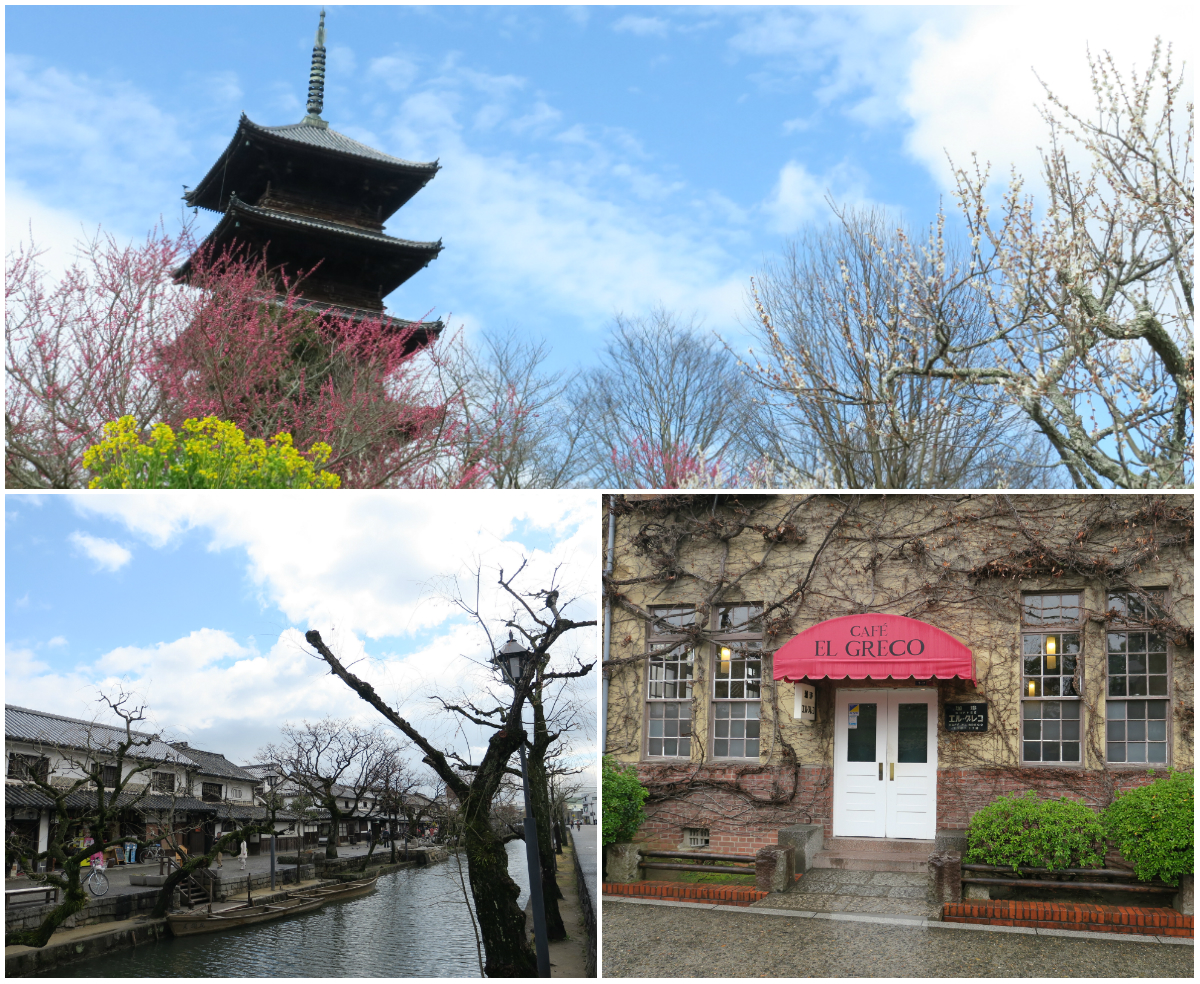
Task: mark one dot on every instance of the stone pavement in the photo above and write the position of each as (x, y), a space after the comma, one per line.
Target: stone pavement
(585, 842)
(899, 893)
(118, 876)
(670, 939)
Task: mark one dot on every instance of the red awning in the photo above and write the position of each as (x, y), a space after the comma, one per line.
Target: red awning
(873, 647)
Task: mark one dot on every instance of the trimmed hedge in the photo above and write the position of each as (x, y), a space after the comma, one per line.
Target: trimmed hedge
(1154, 827)
(621, 806)
(1026, 831)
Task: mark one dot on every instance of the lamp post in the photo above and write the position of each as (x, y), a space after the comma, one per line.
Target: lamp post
(512, 661)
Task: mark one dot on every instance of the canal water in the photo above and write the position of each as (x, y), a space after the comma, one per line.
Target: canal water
(415, 924)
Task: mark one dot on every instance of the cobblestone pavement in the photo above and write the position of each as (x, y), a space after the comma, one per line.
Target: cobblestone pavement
(835, 890)
(642, 940)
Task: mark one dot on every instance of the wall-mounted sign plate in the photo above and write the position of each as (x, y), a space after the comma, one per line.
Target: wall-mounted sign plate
(806, 703)
(966, 717)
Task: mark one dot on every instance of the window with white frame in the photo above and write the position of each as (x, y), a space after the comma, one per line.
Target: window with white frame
(670, 670)
(1051, 712)
(737, 682)
(164, 782)
(1138, 703)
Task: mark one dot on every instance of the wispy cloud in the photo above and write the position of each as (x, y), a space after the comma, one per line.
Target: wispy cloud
(642, 26)
(108, 555)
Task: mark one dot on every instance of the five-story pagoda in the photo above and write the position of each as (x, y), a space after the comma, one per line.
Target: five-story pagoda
(305, 196)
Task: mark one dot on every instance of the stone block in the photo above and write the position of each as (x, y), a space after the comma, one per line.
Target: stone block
(1185, 899)
(950, 839)
(946, 869)
(774, 868)
(621, 863)
(805, 839)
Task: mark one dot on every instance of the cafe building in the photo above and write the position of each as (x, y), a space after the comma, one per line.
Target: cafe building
(885, 665)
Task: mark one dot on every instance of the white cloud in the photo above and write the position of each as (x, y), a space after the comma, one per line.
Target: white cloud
(799, 196)
(971, 86)
(642, 26)
(397, 72)
(57, 641)
(374, 564)
(108, 555)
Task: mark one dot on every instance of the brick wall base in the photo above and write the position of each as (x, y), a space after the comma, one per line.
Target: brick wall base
(1143, 920)
(687, 891)
(734, 803)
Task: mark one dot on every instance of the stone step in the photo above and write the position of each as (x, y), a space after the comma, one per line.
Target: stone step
(867, 862)
(874, 854)
(893, 847)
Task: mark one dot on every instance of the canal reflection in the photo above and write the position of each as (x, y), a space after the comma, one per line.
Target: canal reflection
(415, 924)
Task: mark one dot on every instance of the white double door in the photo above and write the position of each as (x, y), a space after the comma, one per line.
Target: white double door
(885, 764)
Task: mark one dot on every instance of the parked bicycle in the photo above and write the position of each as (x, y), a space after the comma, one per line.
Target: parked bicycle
(96, 880)
(153, 853)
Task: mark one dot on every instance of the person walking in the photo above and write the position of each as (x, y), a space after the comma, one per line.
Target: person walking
(242, 855)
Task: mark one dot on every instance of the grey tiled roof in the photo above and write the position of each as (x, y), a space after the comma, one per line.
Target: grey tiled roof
(215, 764)
(316, 136)
(39, 727)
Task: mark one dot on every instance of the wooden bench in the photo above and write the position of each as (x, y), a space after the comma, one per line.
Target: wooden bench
(738, 864)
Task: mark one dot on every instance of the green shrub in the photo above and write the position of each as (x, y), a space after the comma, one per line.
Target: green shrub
(621, 806)
(1025, 831)
(1154, 826)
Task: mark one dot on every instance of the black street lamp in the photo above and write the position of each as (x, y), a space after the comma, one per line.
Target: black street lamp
(512, 660)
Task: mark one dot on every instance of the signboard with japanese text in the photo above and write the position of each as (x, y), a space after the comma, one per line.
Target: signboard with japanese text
(966, 717)
(806, 703)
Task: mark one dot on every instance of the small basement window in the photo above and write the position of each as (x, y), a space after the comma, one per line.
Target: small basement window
(695, 836)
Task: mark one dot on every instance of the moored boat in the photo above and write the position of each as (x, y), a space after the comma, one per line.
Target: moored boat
(332, 893)
(205, 921)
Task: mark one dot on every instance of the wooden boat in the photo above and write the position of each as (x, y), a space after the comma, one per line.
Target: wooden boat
(334, 893)
(204, 921)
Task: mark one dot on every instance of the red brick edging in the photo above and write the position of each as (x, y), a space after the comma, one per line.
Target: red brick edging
(688, 891)
(1149, 921)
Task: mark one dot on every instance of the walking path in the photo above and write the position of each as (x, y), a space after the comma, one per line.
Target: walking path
(642, 939)
(897, 893)
(118, 875)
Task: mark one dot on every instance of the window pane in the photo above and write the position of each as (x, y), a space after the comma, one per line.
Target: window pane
(1116, 730)
(1137, 642)
(1156, 642)
(1137, 686)
(1115, 710)
(1116, 751)
(1158, 685)
(1071, 643)
(1050, 729)
(1033, 687)
(670, 746)
(1116, 642)
(752, 729)
(656, 746)
(1031, 645)
(1033, 751)
(1156, 730)
(1050, 751)
(1050, 687)
(860, 743)
(737, 729)
(1070, 751)
(1157, 662)
(751, 749)
(913, 738)
(656, 729)
(1135, 751)
(1156, 709)
(1135, 709)
(1070, 709)
(721, 748)
(751, 710)
(722, 729)
(1136, 731)
(1156, 752)
(1033, 665)
(1116, 686)
(1137, 663)
(1116, 663)
(1033, 730)
(1070, 729)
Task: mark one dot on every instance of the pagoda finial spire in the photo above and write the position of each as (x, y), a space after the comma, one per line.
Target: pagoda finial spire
(316, 78)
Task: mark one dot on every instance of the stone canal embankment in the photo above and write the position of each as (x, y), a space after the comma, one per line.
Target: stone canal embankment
(110, 924)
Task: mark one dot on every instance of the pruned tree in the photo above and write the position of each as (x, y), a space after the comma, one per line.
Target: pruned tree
(1090, 305)
(336, 762)
(829, 316)
(474, 785)
(97, 780)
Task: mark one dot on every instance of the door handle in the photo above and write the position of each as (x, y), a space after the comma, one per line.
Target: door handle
(881, 772)
(892, 770)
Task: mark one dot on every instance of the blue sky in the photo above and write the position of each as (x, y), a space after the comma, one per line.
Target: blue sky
(199, 602)
(595, 160)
